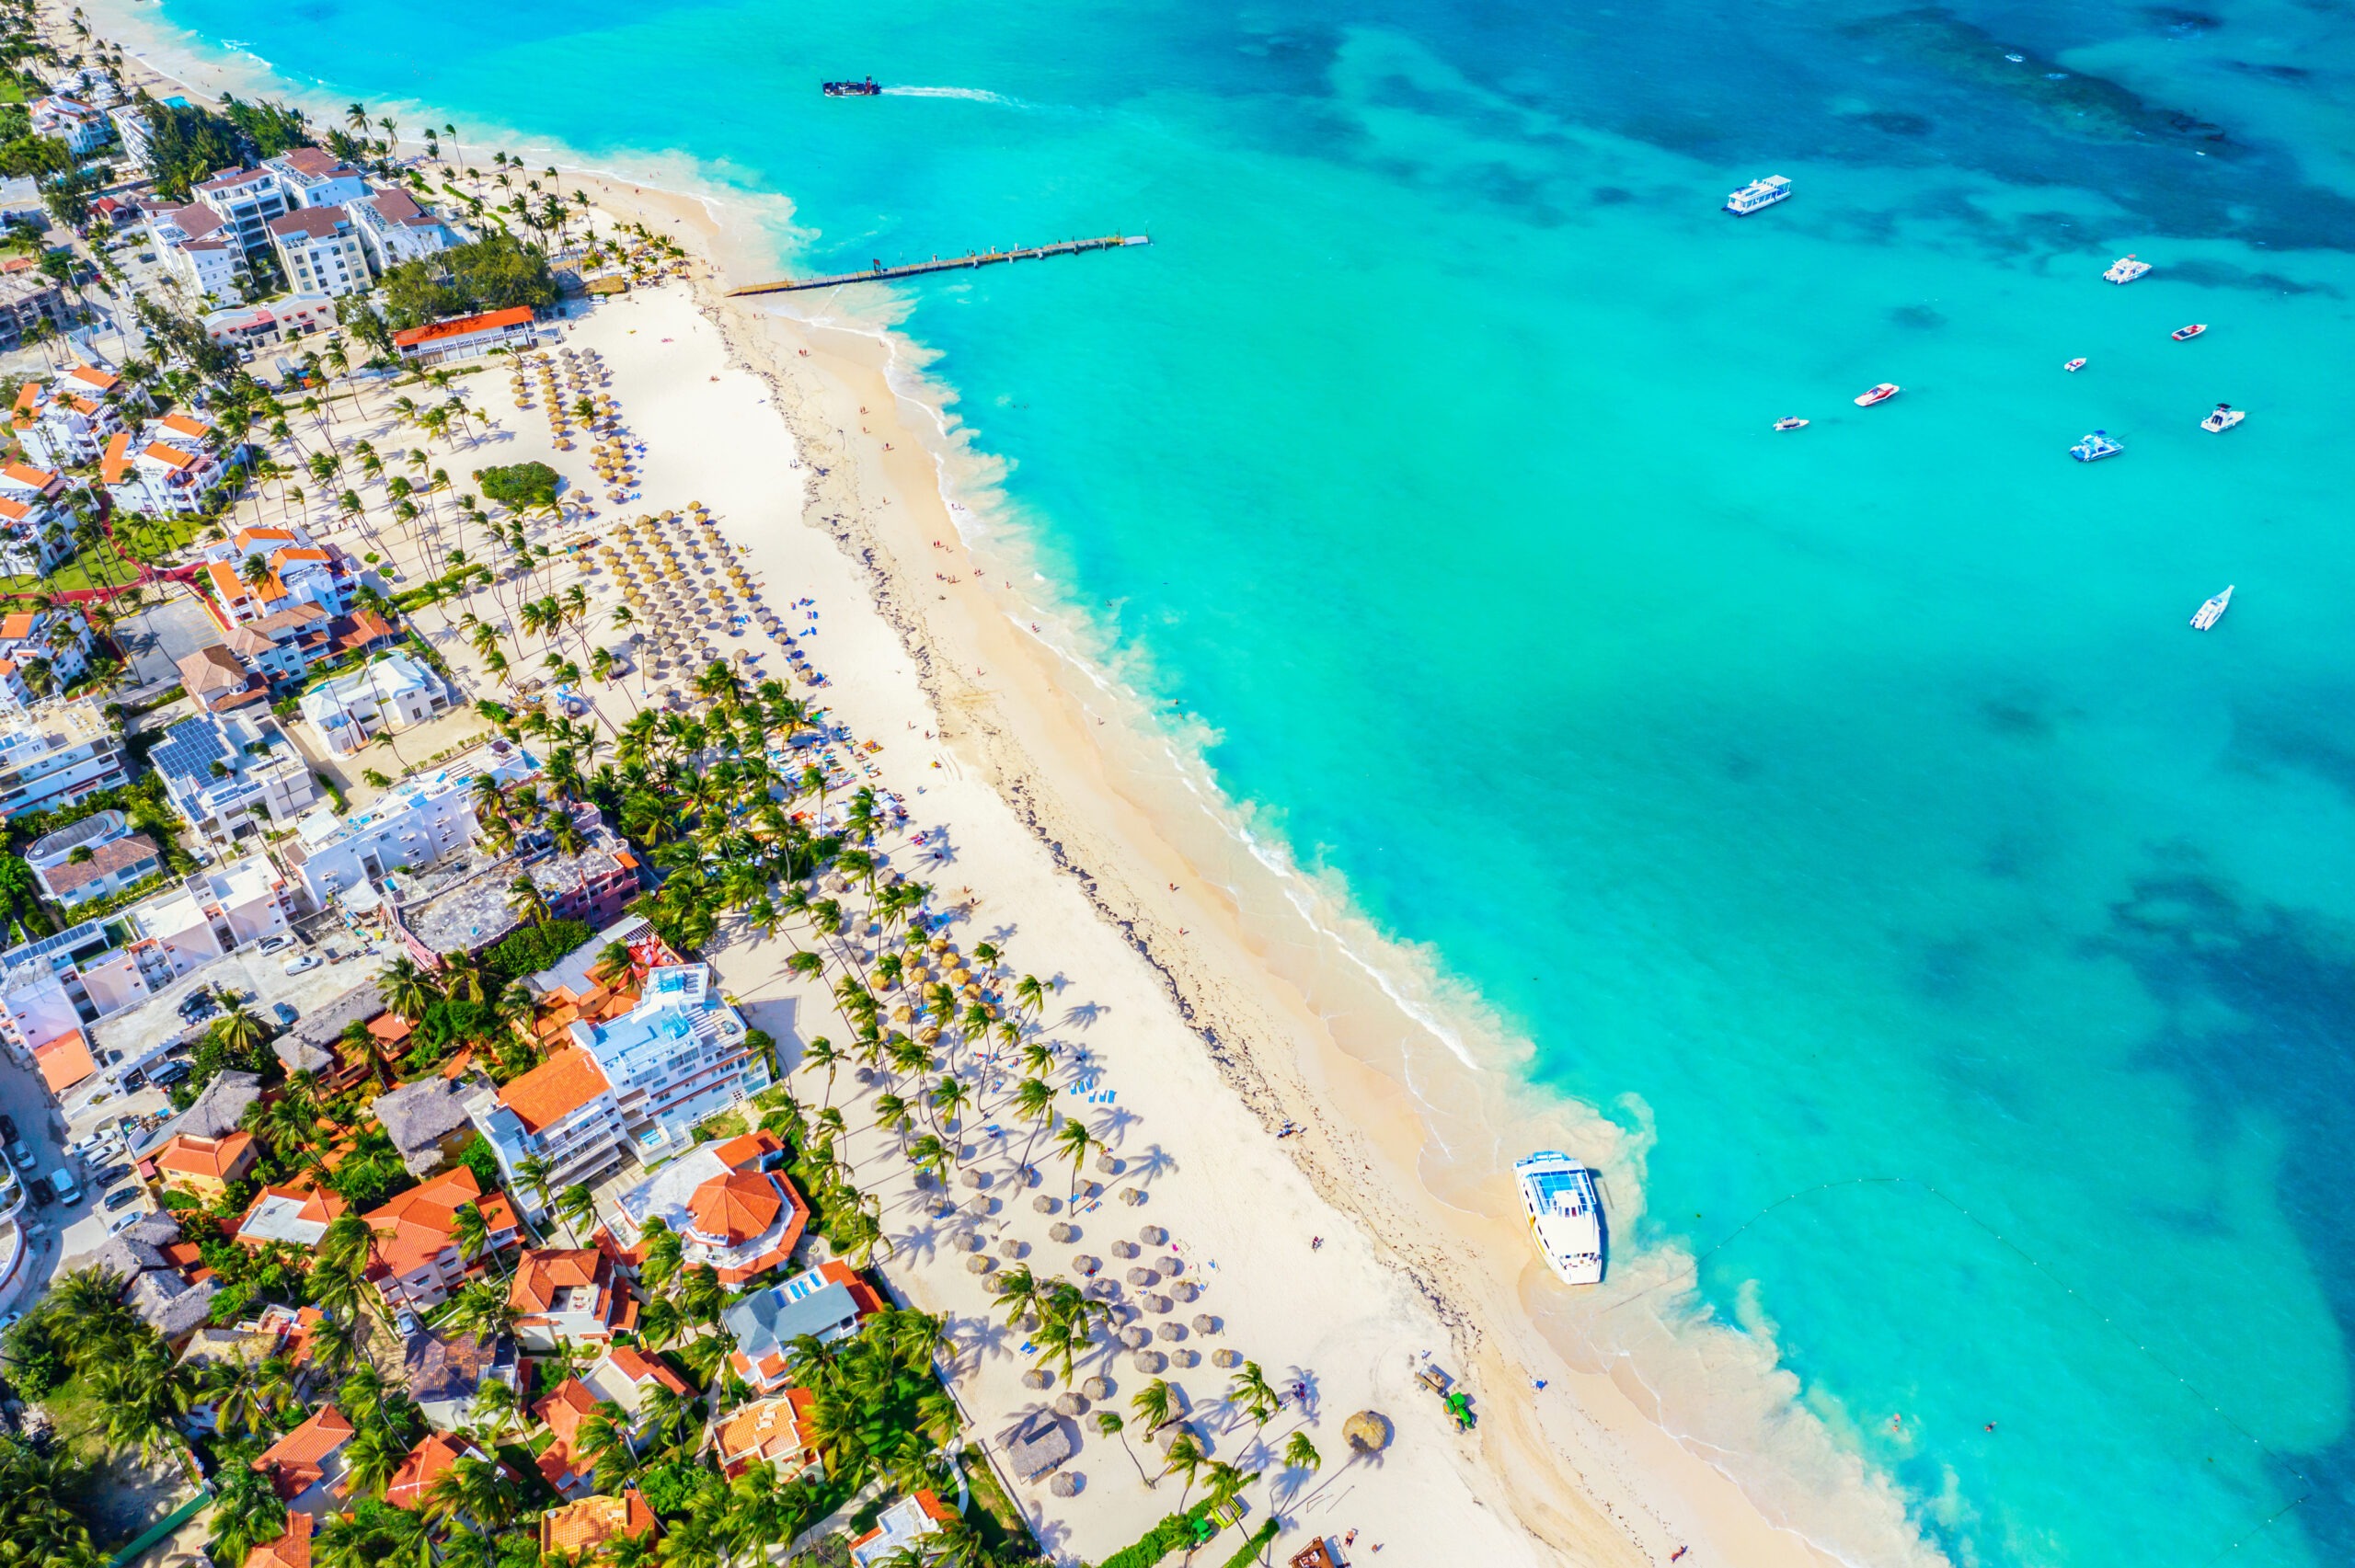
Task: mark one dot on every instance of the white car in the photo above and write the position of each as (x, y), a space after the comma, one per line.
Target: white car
(276, 945)
(302, 962)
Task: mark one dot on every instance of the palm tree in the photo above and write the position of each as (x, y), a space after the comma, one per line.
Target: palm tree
(238, 1030)
(1155, 1404)
(577, 1207)
(247, 1395)
(1251, 1390)
(495, 1408)
(483, 1309)
(407, 990)
(1187, 1455)
(1301, 1454)
(820, 1054)
(1073, 1141)
(525, 900)
(534, 1171)
(1109, 1423)
(141, 1392)
(245, 1512)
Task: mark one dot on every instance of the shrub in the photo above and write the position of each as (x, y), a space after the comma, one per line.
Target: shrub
(535, 947)
(520, 485)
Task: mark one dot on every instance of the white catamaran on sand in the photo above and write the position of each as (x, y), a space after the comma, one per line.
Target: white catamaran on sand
(1566, 1213)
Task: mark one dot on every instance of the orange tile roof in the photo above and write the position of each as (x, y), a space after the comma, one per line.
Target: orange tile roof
(568, 1404)
(464, 326)
(554, 1089)
(767, 1429)
(8, 666)
(19, 624)
(740, 1152)
(293, 1462)
(638, 1368)
(590, 1523)
(289, 1550)
(116, 462)
(16, 511)
(420, 1224)
(24, 474)
(734, 1207)
(540, 1273)
(29, 396)
(181, 424)
(413, 1482)
(208, 1159)
(82, 406)
(65, 1061)
(244, 538)
(280, 557)
(391, 1028)
(320, 1207)
(169, 456)
(89, 376)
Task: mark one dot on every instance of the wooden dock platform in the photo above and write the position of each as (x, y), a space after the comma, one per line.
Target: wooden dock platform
(880, 273)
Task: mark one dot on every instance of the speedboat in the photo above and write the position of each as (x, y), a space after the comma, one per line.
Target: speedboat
(2125, 269)
(2223, 418)
(2212, 612)
(2095, 447)
(1790, 422)
(2186, 334)
(1758, 194)
(1881, 393)
(866, 89)
(2074, 366)
(1565, 1213)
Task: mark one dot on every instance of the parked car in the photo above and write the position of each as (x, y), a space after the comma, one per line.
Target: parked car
(8, 1128)
(69, 1191)
(301, 963)
(285, 1015)
(126, 1220)
(164, 1077)
(42, 1195)
(121, 1196)
(20, 1155)
(94, 1145)
(111, 1176)
(404, 1322)
(276, 945)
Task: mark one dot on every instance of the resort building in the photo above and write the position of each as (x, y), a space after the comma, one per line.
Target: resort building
(391, 692)
(319, 249)
(290, 1547)
(255, 325)
(899, 1527)
(419, 1262)
(305, 1467)
(35, 530)
(464, 337)
(27, 297)
(772, 1432)
(66, 420)
(284, 644)
(244, 201)
(393, 229)
(411, 1486)
(568, 1293)
(626, 1376)
(59, 639)
(138, 137)
(203, 1167)
(562, 1111)
(417, 822)
(55, 754)
(591, 884)
(825, 1303)
(82, 128)
(295, 1216)
(426, 1120)
(230, 773)
(200, 251)
(166, 1283)
(94, 858)
(729, 1203)
(314, 177)
(446, 1373)
(168, 468)
(302, 571)
(568, 1471)
(587, 1528)
(217, 681)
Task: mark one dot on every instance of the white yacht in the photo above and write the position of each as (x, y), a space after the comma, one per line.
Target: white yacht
(2125, 269)
(1758, 193)
(2222, 418)
(2095, 447)
(2212, 612)
(1566, 1212)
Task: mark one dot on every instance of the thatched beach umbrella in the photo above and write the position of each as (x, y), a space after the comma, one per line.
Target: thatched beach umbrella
(1061, 1231)
(1132, 1197)
(1096, 1387)
(1014, 1246)
(980, 1262)
(1136, 1337)
(1205, 1323)
(1148, 1361)
(1171, 1331)
(1037, 1378)
(1066, 1485)
(1185, 1291)
(1169, 1266)
(1068, 1403)
(972, 1178)
(1226, 1359)
(1152, 1303)
(1368, 1430)
(1108, 1165)
(1124, 1249)
(1084, 1264)
(1143, 1277)
(1044, 1204)
(1153, 1235)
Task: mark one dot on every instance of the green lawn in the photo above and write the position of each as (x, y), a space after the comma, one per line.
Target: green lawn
(102, 568)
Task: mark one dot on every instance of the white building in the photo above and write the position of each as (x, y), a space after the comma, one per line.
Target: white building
(200, 249)
(65, 421)
(82, 128)
(302, 571)
(414, 824)
(246, 200)
(90, 971)
(167, 468)
(233, 772)
(394, 229)
(392, 692)
(319, 249)
(54, 755)
(312, 177)
(287, 316)
(465, 337)
(59, 638)
(35, 535)
(86, 82)
(130, 122)
(94, 858)
(637, 1084)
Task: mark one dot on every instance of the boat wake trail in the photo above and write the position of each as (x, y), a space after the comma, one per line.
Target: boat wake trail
(976, 94)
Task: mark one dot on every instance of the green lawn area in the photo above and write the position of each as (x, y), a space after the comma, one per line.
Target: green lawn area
(11, 89)
(152, 538)
(99, 568)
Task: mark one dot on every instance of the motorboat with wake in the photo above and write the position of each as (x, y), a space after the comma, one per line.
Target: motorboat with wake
(1881, 393)
(1790, 422)
(1758, 195)
(2186, 334)
(2222, 418)
(2125, 269)
(1565, 1213)
(2074, 366)
(866, 89)
(2095, 447)
(2212, 612)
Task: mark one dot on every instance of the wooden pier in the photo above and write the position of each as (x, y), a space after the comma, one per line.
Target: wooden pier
(880, 273)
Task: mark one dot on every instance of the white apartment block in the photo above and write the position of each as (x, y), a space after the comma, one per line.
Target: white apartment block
(66, 420)
(302, 571)
(201, 250)
(82, 128)
(98, 968)
(244, 201)
(414, 824)
(33, 529)
(167, 468)
(319, 249)
(392, 691)
(312, 177)
(394, 229)
(138, 137)
(233, 772)
(59, 638)
(54, 755)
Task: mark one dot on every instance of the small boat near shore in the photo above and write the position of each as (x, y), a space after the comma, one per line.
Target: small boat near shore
(1881, 393)
(2096, 446)
(1790, 422)
(1758, 195)
(2074, 366)
(2186, 334)
(2213, 610)
(2125, 269)
(866, 89)
(1565, 1213)
(2222, 418)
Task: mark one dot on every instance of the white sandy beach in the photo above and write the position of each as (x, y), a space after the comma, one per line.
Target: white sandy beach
(1220, 994)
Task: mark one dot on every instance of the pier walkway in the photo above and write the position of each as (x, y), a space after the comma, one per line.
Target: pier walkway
(880, 273)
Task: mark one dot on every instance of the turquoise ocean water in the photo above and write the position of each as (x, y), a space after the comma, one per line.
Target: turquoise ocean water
(1858, 798)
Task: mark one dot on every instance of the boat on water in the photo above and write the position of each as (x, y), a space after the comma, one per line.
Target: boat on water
(2212, 612)
(2125, 269)
(2095, 447)
(1565, 1213)
(1790, 422)
(2186, 334)
(1758, 194)
(1881, 393)
(2222, 418)
(866, 89)
(2074, 366)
